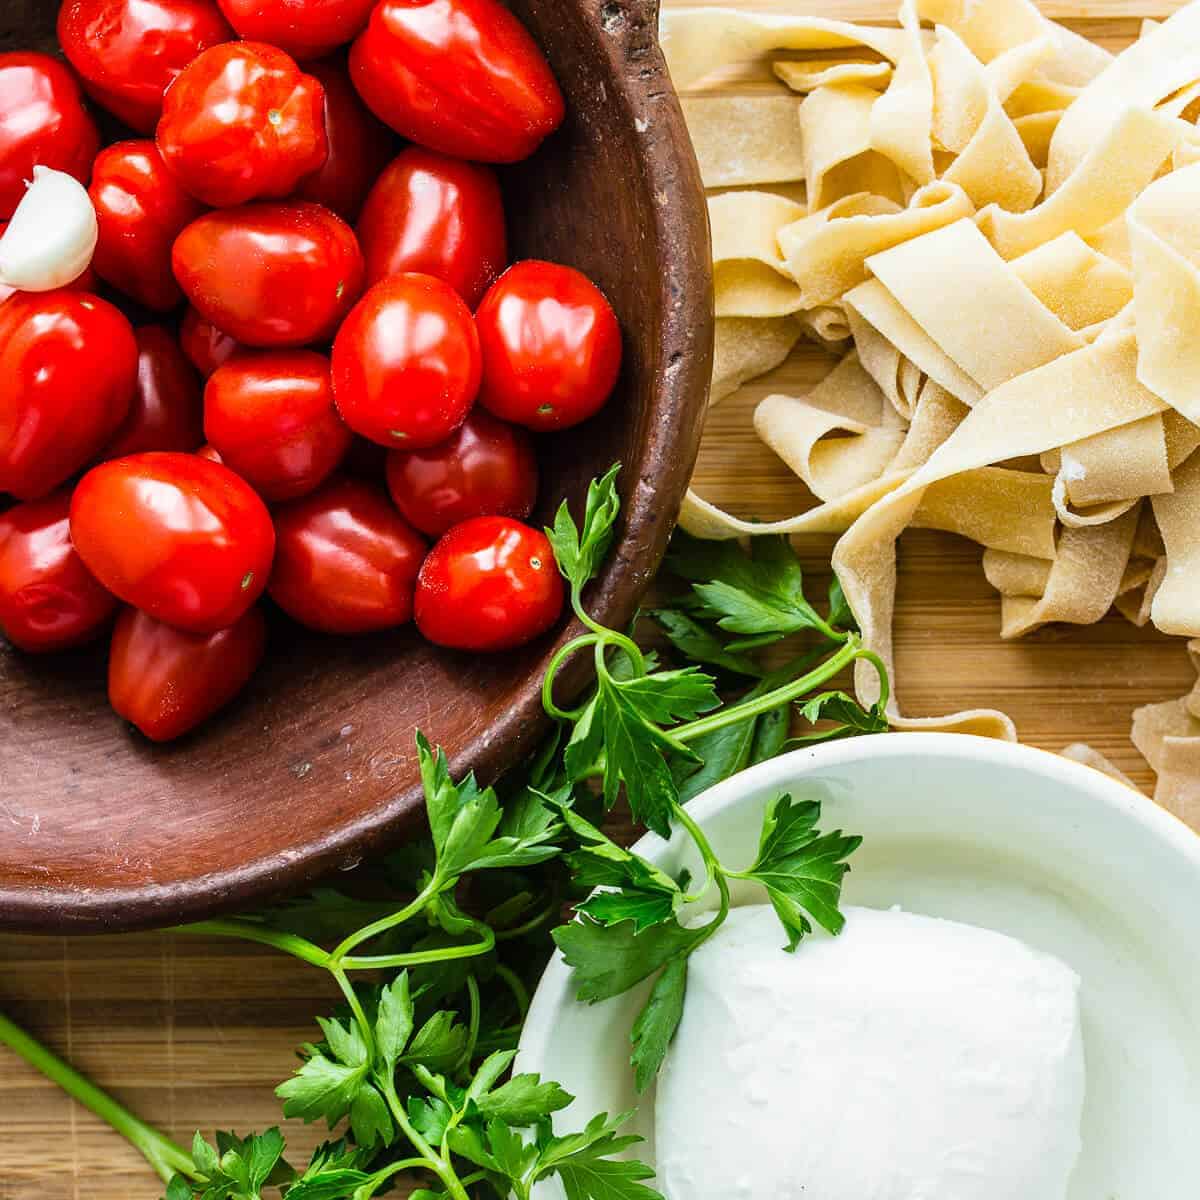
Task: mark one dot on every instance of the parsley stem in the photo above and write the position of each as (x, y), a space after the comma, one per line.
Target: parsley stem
(433, 1161)
(851, 649)
(571, 648)
(159, 1151)
(356, 1008)
(712, 865)
(367, 932)
(516, 986)
(248, 931)
(420, 958)
(473, 1021)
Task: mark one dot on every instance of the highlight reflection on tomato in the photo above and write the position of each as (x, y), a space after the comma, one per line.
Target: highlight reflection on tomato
(167, 409)
(347, 561)
(68, 366)
(489, 584)
(48, 599)
(271, 418)
(128, 52)
(184, 539)
(205, 345)
(439, 216)
(167, 681)
(270, 274)
(243, 122)
(141, 210)
(406, 363)
(42, 123)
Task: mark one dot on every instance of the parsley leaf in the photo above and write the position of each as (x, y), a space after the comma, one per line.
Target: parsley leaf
(852, 719)
(657, 1022)
(580, 553)
(586, 1164)
(802, 869)
(696, 642)
(238, 1168)
(523, 1100)
(841, 616)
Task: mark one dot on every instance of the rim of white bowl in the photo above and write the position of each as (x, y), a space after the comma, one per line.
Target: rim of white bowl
(554, 988)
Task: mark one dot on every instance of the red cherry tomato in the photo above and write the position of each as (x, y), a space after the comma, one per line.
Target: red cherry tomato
(177, 536)
(484, 469)
(304, 28)
(271, 274)
(460, 76)
(490, 584)
(167, 412)
(42, 123)
(68, 366)
(406, 363)
(347, 561)
(48, 599)
(551, 347)
(141, 210)
(438, 216)
(271, 418)
(205, 345)
(129, 52)
(359, 146)
(241, 122)
(166, 681)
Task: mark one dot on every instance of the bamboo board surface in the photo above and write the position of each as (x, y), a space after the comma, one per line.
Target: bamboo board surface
(192, 1033)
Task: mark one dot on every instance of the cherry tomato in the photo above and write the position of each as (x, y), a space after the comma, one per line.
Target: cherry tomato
(347, 561)
(359, 146)
(406, 363)
(304, 28)
(460, 76)
(484, 469)
(167, 412)
(271, 274)
(48, 599)
(141, 210)
(204, 344)
(438, 216)
(490, 584)
(179, 537)
(129, 52)
(42, 122)
(166, 681)
(551, 347)
(270, 416)
(243, 122)
(68, 366)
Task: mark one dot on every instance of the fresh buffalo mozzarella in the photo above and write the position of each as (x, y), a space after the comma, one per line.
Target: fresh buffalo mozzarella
(908, 1059)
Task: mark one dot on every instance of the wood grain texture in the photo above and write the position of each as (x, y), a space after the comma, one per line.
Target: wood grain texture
(197, 1034)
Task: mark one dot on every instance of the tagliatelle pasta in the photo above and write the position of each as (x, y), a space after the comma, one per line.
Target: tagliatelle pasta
(998, 239)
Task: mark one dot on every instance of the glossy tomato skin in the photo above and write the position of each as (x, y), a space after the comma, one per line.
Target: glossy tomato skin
(271, 418)
(406, 363)
(183, 539)
(460, 76)
(243, 122)
(167, 412)
(48, 599)
(166, 681)
(490, 584)
(141, 209)
(437, 216)
(42, 123)
(347, 561)
(68, 367)
(128, 52)
(270, 274)
(551, 347)
(205, 345)
(304, 28)
(360, 146)
(206, 451)
(485, 468)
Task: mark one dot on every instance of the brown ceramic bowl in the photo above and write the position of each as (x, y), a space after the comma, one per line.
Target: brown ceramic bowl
(314, 768)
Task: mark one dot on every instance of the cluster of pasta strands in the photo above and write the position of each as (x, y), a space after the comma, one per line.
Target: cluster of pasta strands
(989, 220)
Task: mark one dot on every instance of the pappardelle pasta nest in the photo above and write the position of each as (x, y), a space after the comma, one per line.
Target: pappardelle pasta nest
(996, 224)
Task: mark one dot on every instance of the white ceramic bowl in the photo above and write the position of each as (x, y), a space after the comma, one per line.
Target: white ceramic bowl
(1005, 837)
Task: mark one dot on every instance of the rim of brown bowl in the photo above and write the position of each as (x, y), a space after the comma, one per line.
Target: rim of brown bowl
(636, 85)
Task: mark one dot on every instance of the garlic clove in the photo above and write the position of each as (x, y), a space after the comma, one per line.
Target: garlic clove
(52, 236)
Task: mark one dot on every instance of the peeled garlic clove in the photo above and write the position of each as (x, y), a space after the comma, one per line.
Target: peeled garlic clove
(52, 236)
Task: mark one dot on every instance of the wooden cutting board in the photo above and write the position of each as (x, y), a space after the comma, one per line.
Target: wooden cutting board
(197, 1033)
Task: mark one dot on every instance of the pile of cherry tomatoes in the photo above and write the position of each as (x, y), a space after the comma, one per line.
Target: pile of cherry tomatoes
(341, 417)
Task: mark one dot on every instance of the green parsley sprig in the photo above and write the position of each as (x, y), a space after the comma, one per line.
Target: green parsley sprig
(414, 1071)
